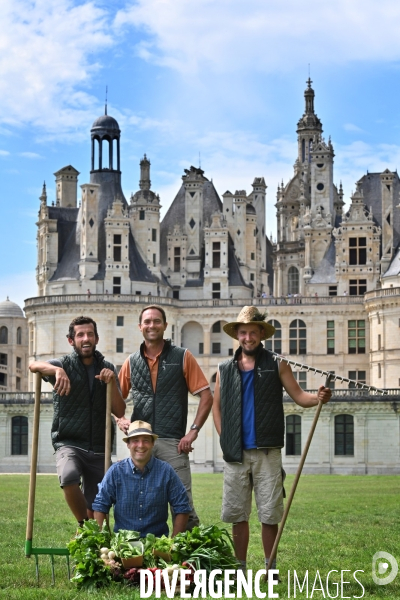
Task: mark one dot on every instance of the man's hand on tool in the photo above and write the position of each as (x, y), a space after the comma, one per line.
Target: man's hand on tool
(324, 394)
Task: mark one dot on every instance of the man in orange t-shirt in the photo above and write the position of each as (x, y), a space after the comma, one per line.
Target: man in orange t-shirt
(160, 395)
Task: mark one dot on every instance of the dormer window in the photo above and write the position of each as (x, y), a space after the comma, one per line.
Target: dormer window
(117, 247)
(357, 251)
(216, 255)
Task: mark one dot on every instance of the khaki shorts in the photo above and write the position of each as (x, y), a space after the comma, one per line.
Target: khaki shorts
(167, 449)
(77, 466)
(261, 470)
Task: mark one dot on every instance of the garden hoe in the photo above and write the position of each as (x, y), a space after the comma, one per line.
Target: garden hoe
(329, 377)
(52, 552)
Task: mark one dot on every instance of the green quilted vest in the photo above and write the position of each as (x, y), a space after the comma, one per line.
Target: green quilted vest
(166, 409)
(80, 418)
(270, 425)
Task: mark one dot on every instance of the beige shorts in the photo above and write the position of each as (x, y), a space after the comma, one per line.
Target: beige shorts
(167, 449)
(262, 471)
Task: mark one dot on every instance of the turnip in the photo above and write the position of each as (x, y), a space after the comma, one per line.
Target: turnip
(104, 550)
(111, 555)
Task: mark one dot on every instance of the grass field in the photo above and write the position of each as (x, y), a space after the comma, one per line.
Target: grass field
(336, 522)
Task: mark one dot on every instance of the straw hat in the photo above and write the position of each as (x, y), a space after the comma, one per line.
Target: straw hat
(139, 428)
(250, 314)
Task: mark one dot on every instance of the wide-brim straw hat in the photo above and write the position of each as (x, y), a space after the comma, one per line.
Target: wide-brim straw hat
(250, 314)
(139, 428)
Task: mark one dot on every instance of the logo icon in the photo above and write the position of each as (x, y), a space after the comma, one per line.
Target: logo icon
(384, 568)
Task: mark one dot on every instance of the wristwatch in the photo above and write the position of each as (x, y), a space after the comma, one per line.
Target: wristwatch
(194, 426)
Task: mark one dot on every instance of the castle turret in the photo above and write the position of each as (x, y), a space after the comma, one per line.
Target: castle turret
(66, 187)
(193, 182)
(145, 219)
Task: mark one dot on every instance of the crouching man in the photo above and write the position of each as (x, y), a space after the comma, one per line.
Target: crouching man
(141, 487)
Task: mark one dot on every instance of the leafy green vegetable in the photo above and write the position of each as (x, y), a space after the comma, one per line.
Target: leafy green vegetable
(205, 548)
(163, 544)
(121, 543)
(90, 570)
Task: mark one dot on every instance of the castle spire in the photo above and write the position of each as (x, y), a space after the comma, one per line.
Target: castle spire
(43, 197)
(309, 98)
(145, 183)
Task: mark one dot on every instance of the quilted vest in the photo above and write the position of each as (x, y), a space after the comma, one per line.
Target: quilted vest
(80, 418)
(270, 425)
(167, 408)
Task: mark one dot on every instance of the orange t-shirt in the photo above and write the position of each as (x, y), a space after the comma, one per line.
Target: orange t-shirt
(194, 376)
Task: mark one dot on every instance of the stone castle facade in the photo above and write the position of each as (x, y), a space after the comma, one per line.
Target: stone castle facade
(330, 282)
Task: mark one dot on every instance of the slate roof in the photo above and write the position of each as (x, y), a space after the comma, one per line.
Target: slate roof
(176, 214)
(235, 275)
(394, 267)
(325, 272)
(68, 246)
(68, 249)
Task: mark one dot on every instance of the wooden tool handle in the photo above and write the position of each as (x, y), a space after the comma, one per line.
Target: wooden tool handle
(297, 477)
(107, 457)
(34, 457)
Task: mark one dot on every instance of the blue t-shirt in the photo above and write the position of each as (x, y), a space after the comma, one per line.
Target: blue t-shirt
(248, 412)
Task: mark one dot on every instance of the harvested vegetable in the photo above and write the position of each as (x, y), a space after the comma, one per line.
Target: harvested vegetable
(206, 548)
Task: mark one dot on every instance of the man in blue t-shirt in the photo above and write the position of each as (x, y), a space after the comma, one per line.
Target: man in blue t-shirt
(248, 415)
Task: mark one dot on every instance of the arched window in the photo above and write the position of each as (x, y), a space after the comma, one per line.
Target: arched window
(274, 344)
(297, 337)
(293, 281)
(293, 435)
(19, 335)
(303, 150)
(3, 335)
(19, 435)
(219, 342)
(344, 435)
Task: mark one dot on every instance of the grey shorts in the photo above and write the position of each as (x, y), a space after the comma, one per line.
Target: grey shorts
(261, 471)
(76, 466)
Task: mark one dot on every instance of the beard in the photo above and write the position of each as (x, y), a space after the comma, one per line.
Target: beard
(250, 352)
(81, 354)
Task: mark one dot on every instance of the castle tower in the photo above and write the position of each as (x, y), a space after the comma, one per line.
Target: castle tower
(117, 230)
(88, 231)
(309, 128)
(239, 229)
(47, 244)
(145, 219)
(66, 187)
(193, 183)
(216, 258)
(105, 162)
(387, 191)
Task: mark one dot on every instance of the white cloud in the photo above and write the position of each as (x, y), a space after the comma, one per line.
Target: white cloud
(30, 155)
(231, 35)
(352, 128)
(47, 50)
(18, 287)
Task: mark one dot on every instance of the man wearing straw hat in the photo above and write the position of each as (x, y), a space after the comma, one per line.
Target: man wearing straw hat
(249, 418)
(78, 430)
(141, 487)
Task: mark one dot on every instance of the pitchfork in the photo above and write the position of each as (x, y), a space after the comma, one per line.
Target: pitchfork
(29, 549)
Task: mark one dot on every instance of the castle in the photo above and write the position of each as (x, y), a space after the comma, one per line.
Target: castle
(330, 283)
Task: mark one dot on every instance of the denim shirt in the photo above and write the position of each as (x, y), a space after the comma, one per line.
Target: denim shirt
(141, 498)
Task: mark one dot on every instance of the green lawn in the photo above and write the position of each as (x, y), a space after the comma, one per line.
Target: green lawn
(336, 522)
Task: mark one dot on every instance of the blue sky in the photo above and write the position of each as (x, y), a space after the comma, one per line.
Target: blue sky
(223, 78)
